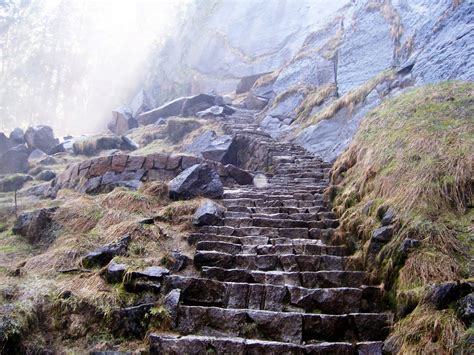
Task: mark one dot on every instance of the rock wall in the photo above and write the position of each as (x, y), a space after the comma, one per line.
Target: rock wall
(105, 173)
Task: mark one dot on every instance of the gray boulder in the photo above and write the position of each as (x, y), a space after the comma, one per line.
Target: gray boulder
(169, 109)
(14, 182)
(4, 143)
(46, 175)
(198, 180)
(192, 105)
(209, 213)
(214, 111)
(17, 136)
(201, 142)
(103, 255)
(38, 227)
(141, 103)
(36, 156)
(122, 121)
(14, 160)
(115, 272)
(40, 137)
(221, 149)
(171, 304)
(93, 145)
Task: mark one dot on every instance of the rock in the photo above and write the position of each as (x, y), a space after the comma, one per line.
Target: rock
(115, 272)
(193, 104)
(169, 109)
(253, 102)
(127, 144)
(131, 321)
(17, 136)
(388, 217)
(214, 111)
(4, 143)
(221, 149)
(103, 255)
(246, 83)
(442, 295)
(383, 234)
(179, 261)
(201, 142)
(37, 226)
(198, 180)
(14, 160)
(14, 182)
(408, 245)
(146, 280)
(242, 177)
(209, 213)
(122, 121)
(465, 309)
(178, 128)
(171, 304)
(227, 100)
(41, 137)
(36, 156)
(46, 175)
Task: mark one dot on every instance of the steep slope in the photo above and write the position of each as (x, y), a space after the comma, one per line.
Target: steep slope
(404, 194)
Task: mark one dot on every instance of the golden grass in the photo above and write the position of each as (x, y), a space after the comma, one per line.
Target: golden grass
(314, 98)
(427, 331)
(391, 16)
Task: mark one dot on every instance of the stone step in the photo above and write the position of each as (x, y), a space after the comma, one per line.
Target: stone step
(270, 202)
(196, 344)
(290, 327)
(280, 298)
(242, 222)
(317, 279)
(284, 262)
(270, 210)
(269, 249)
(324, 233)
(258, 194)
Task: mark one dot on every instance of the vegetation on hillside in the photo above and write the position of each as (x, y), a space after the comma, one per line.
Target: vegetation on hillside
(414, 155)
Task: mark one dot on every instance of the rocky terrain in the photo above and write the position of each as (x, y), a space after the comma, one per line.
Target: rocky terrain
(306, 190)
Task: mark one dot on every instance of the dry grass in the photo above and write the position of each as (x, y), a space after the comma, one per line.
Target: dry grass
(267, 79)
(330, 48)
(415, 154)
(427, 331)
(350, 100)
(314, 98)
(390, 15)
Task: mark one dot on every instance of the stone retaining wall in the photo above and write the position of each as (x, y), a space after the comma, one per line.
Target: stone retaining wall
(104, 173)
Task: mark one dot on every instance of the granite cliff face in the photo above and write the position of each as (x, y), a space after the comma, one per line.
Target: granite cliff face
(330, 62)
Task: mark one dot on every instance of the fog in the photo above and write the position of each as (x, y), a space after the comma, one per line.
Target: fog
(68, 63)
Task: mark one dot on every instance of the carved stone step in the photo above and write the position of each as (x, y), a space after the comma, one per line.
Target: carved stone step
(205, 292)
(282, 326)
(284, 262)
(318, 279)
(194, 344)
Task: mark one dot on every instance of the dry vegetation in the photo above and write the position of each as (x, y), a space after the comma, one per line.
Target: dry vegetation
(35, 280)
(415, 154)
(391, 16)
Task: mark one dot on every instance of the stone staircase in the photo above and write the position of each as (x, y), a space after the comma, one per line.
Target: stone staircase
(271, 281)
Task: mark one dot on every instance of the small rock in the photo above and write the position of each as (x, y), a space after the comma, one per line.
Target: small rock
(214, 111)
(171, 304)
(409, 245)
(41, 137)
(179, 261)
(209, 213)
(14, 182)
(46, 175)
(198, 180)
(388, 217)
(383, 234)
(37, 226)
(465, 309)
(131, 321)
(106, 253)
(115, 272)
(442, 295)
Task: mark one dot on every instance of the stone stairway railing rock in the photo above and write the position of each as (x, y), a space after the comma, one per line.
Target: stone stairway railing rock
(104, 173)
(271, 280)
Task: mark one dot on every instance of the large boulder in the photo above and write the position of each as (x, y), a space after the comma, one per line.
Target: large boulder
(201, 142)
(221, 149)
(14, 160)
(38, 226)
(93, 145)
(246, 83)
(141, 103)
(209, 213)
(192, 105)
(13, 182)
(254, 102)
(122, 121)
(169, 109)
(40, 137)
(198, 180)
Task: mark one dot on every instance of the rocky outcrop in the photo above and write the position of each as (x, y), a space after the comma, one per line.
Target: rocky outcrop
(122, 121)
(14, 160)
(103, 255)
(38, 226)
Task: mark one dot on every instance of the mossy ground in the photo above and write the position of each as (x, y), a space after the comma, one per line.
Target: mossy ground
(414, 154)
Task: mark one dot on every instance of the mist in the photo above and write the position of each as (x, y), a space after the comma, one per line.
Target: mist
(68, 63)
